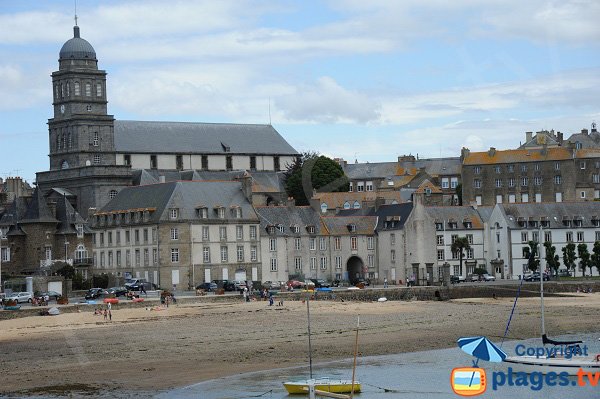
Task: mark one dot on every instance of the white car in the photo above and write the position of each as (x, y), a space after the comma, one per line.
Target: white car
(488, 277)
(21, 297)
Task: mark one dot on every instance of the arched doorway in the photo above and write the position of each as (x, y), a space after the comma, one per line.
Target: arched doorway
(355, 267)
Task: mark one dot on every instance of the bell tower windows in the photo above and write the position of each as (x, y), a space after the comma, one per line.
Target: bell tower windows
(96, 140)
(77, 89)
(88, 90)
(98, 90)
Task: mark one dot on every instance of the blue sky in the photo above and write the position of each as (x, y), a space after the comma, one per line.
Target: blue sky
(366, 80)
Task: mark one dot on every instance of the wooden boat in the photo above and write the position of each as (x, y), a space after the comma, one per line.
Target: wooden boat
(322, 384)
(334, 388)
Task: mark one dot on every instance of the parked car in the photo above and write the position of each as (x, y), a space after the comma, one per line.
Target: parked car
(271, 285)
(207, 286)
(238, 285)
(295, 284)
(94, 293)
(320, 283)
(135, 281)
(488, 277)
(457, 279)
(50, 294)
(147, 286)
(117, 291)
(535, 277)
(564, 273)
(473, 277)
(20, 297)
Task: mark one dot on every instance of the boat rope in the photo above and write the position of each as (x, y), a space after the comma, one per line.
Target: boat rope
(260, 395)
(512, 312)
(393, 390)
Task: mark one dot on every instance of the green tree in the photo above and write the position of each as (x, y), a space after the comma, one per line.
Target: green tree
(596, 257)
(569, 256)
(533, 262)
(458, 246)
(584, 256)
(65, 270)
(313, 172)
(552, 259)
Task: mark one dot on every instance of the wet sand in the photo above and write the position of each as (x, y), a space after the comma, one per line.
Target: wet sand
(143, 350)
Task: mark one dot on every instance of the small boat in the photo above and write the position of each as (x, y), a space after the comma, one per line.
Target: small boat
(12, 307)
(135, 300)
(322, 384)
(111, 300)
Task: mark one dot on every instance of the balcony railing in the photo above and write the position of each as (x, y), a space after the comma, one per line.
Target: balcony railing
(82, 261)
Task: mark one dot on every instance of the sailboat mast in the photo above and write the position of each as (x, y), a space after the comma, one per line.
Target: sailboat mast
(309, 343)
(542, 269)
(355, 355)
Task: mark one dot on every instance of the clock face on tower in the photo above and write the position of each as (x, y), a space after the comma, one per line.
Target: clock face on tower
(62, 109)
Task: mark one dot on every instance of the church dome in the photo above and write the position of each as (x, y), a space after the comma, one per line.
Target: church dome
(77, 48)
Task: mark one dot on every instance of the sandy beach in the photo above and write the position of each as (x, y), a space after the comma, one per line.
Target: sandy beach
(143, 350)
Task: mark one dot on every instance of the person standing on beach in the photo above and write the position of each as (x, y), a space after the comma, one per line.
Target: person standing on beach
(109, 315)
(109, 306)
(143, 290)
(105, 314)
(245, 293)
(385, 284)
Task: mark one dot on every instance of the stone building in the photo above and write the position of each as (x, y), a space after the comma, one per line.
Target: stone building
(93, 156)
(553, 174)
(41, 233)
(179, 233)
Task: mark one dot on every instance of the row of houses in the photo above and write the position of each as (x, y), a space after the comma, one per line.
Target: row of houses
(184, 233)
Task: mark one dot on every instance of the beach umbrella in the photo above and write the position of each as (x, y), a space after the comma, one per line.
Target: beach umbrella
(482, 348)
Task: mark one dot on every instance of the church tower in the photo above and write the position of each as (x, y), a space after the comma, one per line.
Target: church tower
(81, 131)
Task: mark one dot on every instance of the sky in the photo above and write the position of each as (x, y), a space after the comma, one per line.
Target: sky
(366, 81)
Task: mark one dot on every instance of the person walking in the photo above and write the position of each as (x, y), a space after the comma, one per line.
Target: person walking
(245, 293)
(109, 315)
(143, 290)
(109, 306)
(385, 283)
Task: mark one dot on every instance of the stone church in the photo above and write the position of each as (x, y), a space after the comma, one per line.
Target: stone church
(93, 156)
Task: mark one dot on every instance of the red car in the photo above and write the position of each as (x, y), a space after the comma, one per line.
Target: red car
(295, 284)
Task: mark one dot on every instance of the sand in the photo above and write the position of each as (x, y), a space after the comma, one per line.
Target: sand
(143, 350)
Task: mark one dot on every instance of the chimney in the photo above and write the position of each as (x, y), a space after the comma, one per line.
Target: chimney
(594, 127)
(492, 151)
(246, 181)
(378, 202)
(584, 132)
(560, 138)
(464, 152)
(91, 212)
(161, 179)
(528, 136)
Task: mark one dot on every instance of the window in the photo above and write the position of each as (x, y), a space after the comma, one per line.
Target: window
(580, 236)
(298, 263)
(98, 90)
(146, 257)
(229, 162)
(253, 232)
(79, 228)
(206, 254)
(393, 255)
(598, 236)
(512, 198)
(295, 229)
(557, 179)
(109, 238)
(356, 205)
(204, 162)
(524, 181)
(582, 194)
(174, 233)
(252, 163)
(569, 236)
(240, 253)
(337, 243)
(477, 170)
(224, 254)
(596, 178)
(360, 186)
(498, 182)
(223, 233)
(174, 213)
(221, 213)
(97, 159)
(582, 165)
(445, 183)
(298, 244)
(153, 162)
(524, 197)
(370, 242)
(440, 254)
(525, 252)
(524, 168)
(497, 169)
(524, 236)
(352, 227)
(511, 168)
(477, 183)
(253, 253)
(276, 165)
(179, 162)
(323, 207)
(174, 255)
(112, 194)
(392, 239)
(440, 240)
(338, 262)
(323, 263)
(370, 260)
(556, 165)
(511, 182)
(354, 243)
(310, 229)
(322, 244)
(470, 239)
(537, 180)
(312, 244)
(127, 160)
(88, 90)
(499, 199)
(202, 213)
(536, 166)
(538, 197)
(5, 254)
(548, 236)
(77, 89)
(272, 244)
(205, 233)
(470, 253)
(369, 186)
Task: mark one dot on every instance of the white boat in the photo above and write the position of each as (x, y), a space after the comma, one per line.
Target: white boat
(557, 363)
(328, 387)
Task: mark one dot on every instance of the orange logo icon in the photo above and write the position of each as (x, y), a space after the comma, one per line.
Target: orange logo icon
(468, 381)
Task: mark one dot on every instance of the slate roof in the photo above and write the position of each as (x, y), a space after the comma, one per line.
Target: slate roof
(554, 213)
(591, 140)
(199, 138)
(183, 195)
(288, 216)
(432, 166)
(37, 210)
(77, 48)
(338, 199)
(385, 214)
(458, 214)
(520, 155)
(338, 225)
(67, 217)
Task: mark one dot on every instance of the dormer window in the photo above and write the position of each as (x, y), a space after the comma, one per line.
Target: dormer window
(346, 205)
(271, 229)
(596, 222)
(323, 207)
(439, 226)
(280, 228)
(236, 212)
(468, 225)
(356, 205)
(295, 229)
(174, 213)
(220, 212)
(452, 225)
(352, 227)
(310, 229)
(202, 212)
(428, 191)
(79, 228)
(225, 147)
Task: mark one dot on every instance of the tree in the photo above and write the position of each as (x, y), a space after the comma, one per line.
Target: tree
(596, 257)
(458, 246)
(552, 259)
(480, 271)
(533, 262)
(313, 172)
(584, 256)
(65, 270)
(569, 256)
